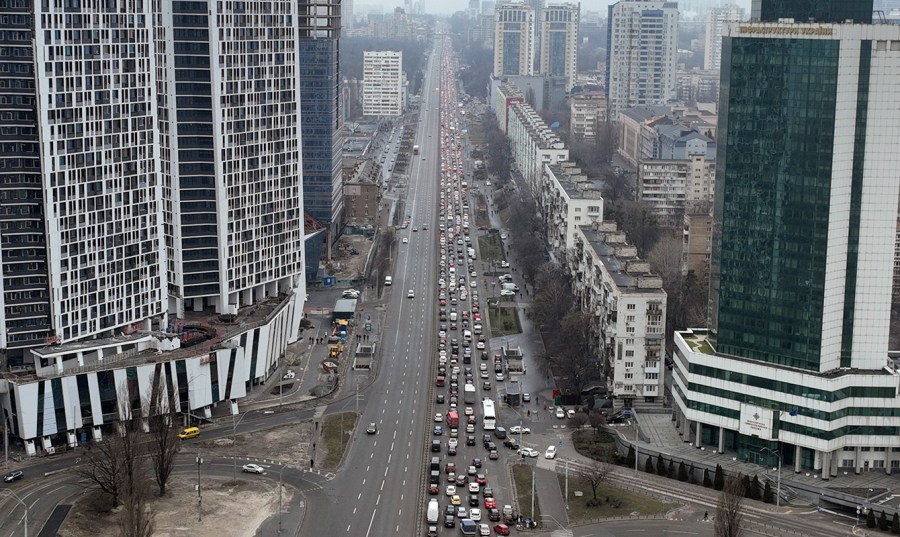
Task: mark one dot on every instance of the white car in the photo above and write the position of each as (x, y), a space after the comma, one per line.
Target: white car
(252, 469)
(504, 264)
(438, 417)
(452, 443)
(480, 345)
(518, 429)
(560, 413)
(473, 283)
(405, 240)
(550, 453)
(475, 514)
(527, 452)
(505, 292)
(350, 293)
(474, 487)
(411, 294)
(484, 530)
(499, 377)
(451, 490)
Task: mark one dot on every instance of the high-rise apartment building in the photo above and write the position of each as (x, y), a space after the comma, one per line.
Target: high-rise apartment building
(321, 122)
(513, 40)
(641, 54)
(795, 361)
(229, 105)
(81, 223)
(382, 83)
(559, 41)
(150, 193)
(716, 19)
(537, 6)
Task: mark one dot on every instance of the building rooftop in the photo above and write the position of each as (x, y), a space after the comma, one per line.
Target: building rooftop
(630, 273)
(575, 183)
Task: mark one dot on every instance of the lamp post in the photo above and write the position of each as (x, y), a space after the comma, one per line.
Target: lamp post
(24, 506)
(637, 438)
(234, 424)
(199, 496)
(280, 486)
(778, 485)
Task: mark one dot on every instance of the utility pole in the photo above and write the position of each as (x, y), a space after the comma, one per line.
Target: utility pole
(280, 486)
(199, 495)
(532, 493)
(637, 438)
(567, 485)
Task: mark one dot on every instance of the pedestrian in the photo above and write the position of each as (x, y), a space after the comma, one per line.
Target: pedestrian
(706, 515)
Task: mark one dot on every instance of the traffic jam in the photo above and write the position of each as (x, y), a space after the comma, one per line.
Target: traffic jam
(463, 448)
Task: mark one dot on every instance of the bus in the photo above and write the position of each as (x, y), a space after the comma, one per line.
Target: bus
(490, 418)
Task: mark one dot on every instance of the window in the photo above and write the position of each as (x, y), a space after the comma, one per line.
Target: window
(629, 364)
(631, 306)
(879, 463)
(651, 376)
(629, 341)
(629, 354)
(629, 329)
(629, 376)
(629, 319)
(848, 463)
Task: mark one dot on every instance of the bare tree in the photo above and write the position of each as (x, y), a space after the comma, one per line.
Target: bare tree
(164, 441)
(595, 474)
(730, 510)
(136, 518)
(573, 349)
(103, 467)
(551, 304)
(665, 258)
(579, 420)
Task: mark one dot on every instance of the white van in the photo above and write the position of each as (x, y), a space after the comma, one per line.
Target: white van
(453, 316)
(510, 287)
(506, 278)
(388, 280)
(433, 512)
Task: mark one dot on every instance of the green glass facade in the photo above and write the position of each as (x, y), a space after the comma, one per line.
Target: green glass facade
(860, 11)
(772, 198)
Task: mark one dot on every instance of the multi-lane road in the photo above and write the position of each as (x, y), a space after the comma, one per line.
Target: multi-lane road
(377, 491)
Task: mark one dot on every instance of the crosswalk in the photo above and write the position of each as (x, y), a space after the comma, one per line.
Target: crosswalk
(561, 533)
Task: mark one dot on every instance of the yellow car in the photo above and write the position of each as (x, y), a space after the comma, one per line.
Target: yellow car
(455, 499)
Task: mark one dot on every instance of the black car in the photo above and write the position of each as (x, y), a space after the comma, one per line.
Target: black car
(439, 399)
(476, 462)
(449, 521)
(493, 515)
(473, 500)
(435, 446)
(451, 451)
(15, 475)
(490, 446)
(470, 440)
(510, 444)
(487, 492)
(450, 510)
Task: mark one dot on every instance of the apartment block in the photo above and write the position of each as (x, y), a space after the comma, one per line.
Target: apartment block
(362, 193)
(697, 86)
(587, 111)
(383, 82)
(164, 178)
(514, 35)
(80, 180)
(639, 128)
(628, 304)
(794, 365)
(716, 20)
(696, 247)
(559, 41)
(641, 54)
(533, 145)
(567, 200)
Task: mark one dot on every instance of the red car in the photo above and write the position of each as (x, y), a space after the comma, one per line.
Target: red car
(434, 490)
(501, 529)
(481, 479)
(490, 503)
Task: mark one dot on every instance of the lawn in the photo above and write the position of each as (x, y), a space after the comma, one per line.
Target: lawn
(504, 321)
(522, 474)
(620, 502)
(337, 430)
(504, 215)
(481, 214)
(489, 247)
(596, 446)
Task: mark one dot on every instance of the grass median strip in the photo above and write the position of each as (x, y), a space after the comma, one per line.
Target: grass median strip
(504, 321)
(489, 247)
(337, 430)
(611, 501)
(523, 475)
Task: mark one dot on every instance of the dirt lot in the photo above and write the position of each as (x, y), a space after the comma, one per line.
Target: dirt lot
(346, 266)
(229, 508)
(233, 509)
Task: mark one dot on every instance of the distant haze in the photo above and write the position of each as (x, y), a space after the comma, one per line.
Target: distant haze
(446, 7)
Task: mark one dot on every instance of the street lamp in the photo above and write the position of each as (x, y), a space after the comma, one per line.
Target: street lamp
(778, 486)
(24, 505)
(199, 496)
(234, 425)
